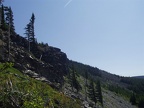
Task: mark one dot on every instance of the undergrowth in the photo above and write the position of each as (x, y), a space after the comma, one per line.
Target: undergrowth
(20, 91)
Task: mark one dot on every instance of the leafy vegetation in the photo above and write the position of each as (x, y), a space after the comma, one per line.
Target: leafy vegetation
(18, 90)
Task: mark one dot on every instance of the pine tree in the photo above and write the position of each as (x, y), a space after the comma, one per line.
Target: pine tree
(3, 23)
(91, 91)
(9, 19)
(99, 92)
(73, 80)
(29, 32)
(32, 34)
(133, 99)
(86, 77)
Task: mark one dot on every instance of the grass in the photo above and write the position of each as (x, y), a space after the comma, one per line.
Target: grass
(18, 90)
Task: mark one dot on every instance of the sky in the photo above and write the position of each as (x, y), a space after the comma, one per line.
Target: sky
(108, 34)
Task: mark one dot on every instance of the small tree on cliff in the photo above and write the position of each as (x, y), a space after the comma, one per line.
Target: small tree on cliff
(73, 80)
(32, 34)
(99, 92)
(29, 32)
(91, 91)
(86, 84)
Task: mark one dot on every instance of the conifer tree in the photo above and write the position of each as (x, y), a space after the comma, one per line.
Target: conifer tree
(73, 80)
(10, 24)
(91, 91)
(3, 23)
(9, 19)
(99, 92)
(29, 31)
(86, 77)
(32, 34)
(133, 99)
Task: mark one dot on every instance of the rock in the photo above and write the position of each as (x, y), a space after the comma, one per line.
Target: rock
(31, 73)
(86, 104)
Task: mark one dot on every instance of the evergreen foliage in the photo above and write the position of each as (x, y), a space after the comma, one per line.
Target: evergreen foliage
(86, 84)
(30, 35)
(81, 69)
(91, 91)
(133, 99)
(32, 20)
(73, 80)
(14, 93)
(20, 91)
(27, 33)
(9, 19)
(3, 25)
(99, 92)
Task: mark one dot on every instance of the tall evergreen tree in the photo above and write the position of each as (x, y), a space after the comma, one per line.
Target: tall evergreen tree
(30, 35)
(133, 99)
(99, 92)
(86, 78)
(27, 33)
(10, 24)
(91, 91)
(3, 23)
(9, 19)
(73, 80)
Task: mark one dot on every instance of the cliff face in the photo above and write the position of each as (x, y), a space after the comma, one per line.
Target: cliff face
(56, 64)
(46, 61)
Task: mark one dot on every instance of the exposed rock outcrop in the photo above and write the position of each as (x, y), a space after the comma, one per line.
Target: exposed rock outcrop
(47, 62)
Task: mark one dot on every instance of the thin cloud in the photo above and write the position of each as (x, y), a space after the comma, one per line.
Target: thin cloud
(67, 3)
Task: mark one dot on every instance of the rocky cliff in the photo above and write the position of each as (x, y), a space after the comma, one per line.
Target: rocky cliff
(46, 61)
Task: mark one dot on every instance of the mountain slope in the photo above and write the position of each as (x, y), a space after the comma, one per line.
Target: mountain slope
(50, 65)
(47, 61)
(20, 91)
(122, 86)
(142, 77)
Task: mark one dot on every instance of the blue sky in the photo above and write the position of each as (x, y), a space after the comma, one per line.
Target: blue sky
(108, 34)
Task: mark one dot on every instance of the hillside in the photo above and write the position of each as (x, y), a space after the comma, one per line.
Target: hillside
(37, 75)
(54, 71)
(18, 90)
(142, 77)
(122, 86)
